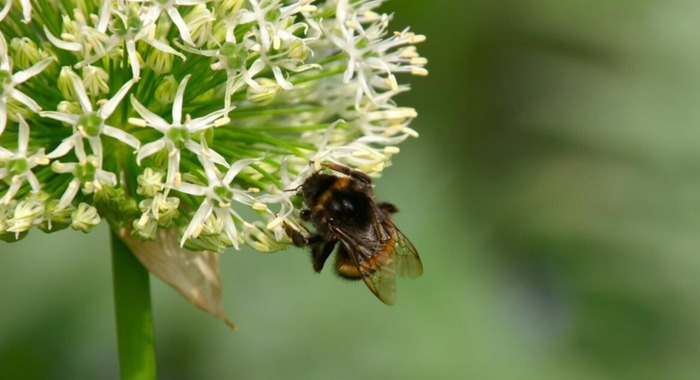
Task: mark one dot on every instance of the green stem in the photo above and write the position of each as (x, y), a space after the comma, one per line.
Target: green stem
(132, 304)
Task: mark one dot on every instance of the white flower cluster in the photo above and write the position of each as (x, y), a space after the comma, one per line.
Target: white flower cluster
(191, 114)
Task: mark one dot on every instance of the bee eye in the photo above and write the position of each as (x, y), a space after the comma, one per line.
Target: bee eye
(342, 206)
(347, 206)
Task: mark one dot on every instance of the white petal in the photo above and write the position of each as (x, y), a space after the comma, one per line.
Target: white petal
(204, 122)
(181, 25)
(209, 153)
(79, 148)
(65, 168)
(5, 9)
(256, 67)
(350, 71)
(190, 2)
(191, 189)
(70, 46)
(149, 149)
(29, 102)
(33, 181)
(230, 228)
(23, 138)
(106, 177)
(199, 218)
(22, 76)
(63, 148)
(60, 116)
(210, 169)
(166, 48)
(280, 78)
(236, 168)
(3, 116)
(173, 167)
(133, 59)
(245, 16)
(80, 92)
(122, 136)
(108, 108)
(69, 195)
(96, 146)
(26, 10)
(152, 119)
(14, 187)
(179, 95)
(241, 196)
(105, 13)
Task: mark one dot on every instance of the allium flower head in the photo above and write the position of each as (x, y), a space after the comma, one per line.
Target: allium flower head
(191, 116)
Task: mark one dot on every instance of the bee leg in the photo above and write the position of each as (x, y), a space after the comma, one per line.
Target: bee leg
(299, 239)
(320, 253)
(388, 207)
(354, 174)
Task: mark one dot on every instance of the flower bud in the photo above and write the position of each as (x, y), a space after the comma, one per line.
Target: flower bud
(150, 182)
(265, 93)
(166, 90)
(199, 21)
(159, 61)
(95, 80)
(65, 85)
(85, 218)
(26, 52)
(28, 213)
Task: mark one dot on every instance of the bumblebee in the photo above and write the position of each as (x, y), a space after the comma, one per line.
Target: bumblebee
(342, 210)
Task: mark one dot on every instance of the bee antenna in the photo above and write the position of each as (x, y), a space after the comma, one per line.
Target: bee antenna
(294, 189)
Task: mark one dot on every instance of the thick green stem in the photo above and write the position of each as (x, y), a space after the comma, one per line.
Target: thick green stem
(132, 305)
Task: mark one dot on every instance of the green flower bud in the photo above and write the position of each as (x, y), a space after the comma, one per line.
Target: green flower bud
(26, 52)
(199, 21)
(160, 62)
(28, 213)
(65, 85)
(56, 219)
(166, 90)
(85, 218)
(96, 81)
(265, 94)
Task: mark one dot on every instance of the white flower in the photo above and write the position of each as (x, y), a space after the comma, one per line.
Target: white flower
(371, 54)
(231, 57)
(90, 125)
(177, 135)
(28, 213)
(87, 172)
(89, 42)
(157, 7)
(85, 218)
(8, 82)
(220, 196)
(271, 37)
(18, 165)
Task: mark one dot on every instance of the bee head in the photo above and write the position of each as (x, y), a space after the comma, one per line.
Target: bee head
(315, 186)
(350, 207)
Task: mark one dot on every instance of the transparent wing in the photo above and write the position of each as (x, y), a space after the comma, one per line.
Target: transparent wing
(382, 280)
(407, 260)
(382, 264)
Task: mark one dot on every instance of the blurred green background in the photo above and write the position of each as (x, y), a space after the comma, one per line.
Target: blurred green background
(554, 196)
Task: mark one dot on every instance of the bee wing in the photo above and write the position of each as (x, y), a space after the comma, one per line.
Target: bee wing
(407, 260)
(404, 261)
(381, 282)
